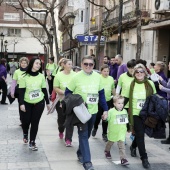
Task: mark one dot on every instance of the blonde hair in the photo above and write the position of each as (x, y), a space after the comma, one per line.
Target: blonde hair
(61, 61)
(117, 97)
(24, 59)
(142, 67)
(162, 65)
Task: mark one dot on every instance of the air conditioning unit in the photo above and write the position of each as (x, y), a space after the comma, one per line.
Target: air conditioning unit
(162, 5)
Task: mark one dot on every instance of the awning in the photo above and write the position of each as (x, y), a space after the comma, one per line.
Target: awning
(157, 26)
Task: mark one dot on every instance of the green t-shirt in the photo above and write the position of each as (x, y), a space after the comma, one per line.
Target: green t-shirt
(124, 82)
(51, 67)
(18, 74)
(117, 125)
(88, 87)
(152, 70)
(56, 71)
(33, 85)
(139, 97)
(108, 85)
(61, 80)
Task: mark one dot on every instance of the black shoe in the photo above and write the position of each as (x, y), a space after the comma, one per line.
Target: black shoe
(133, 151)
(94, 132)
(145, 163)
(105, 137)
(167, 141)
(4, 103)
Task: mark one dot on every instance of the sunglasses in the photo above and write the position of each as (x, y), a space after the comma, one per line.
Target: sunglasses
(88, 64)
(139, 71)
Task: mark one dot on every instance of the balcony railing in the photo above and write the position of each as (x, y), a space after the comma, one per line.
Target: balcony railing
(96, 25)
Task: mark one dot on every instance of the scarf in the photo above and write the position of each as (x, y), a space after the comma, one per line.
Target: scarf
(129, 74)
(149, 91)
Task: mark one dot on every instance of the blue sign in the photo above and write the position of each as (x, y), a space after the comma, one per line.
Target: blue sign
(90, 39)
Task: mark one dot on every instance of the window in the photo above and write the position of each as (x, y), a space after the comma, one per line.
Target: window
(11, 17)
(38, 15)
(14, 32)
(13, 2)
(81, 16)
(39, 32)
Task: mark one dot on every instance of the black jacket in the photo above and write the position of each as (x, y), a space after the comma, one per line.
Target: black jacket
(68, 103)
(155, 108)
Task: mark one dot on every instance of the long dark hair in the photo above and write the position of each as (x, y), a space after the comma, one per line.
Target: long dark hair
(30, 65)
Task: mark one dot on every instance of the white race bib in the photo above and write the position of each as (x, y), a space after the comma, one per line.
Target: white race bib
(92, 98)
(140, 103)
(122, 119)
(35, 94)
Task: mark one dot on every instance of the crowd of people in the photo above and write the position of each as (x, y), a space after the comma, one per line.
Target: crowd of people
(118, 95)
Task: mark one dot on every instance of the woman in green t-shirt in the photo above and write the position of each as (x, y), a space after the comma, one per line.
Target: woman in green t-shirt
(109, 89)
(18, 74)
(61, 81)
(139, 90)
(50, 68)
(32, 92)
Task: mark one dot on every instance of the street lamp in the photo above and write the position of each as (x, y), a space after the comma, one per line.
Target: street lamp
(71, 19)
(2, 38)
(5, 45)
(51, 33)
(15, 42)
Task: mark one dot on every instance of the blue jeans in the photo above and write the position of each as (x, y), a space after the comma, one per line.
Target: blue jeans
(84, 149)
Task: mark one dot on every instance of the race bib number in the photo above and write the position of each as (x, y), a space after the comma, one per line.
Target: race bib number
(122, 119)
(35, 94)
(92, 98)
(140, 103)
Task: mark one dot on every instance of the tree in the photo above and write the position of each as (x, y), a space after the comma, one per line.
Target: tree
(139, 43)
(47, 9)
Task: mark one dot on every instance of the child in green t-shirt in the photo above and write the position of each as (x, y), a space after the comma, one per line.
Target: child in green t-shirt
(117, 120)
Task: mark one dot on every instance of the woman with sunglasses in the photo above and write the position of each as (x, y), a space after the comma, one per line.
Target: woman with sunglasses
(61, 81)
(109, 88)
(140, 89)
(32, 92)
(87, 83)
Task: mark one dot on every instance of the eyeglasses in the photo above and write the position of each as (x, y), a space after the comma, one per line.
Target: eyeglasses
(88, 64)
(139, 71)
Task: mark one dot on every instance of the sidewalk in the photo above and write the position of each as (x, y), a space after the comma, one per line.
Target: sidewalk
(52, 153)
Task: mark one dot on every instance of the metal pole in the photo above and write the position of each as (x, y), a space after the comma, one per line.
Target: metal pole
(119, 45)
(1, 48)
(70, 39)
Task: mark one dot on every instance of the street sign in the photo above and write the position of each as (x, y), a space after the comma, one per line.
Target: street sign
(90, 39)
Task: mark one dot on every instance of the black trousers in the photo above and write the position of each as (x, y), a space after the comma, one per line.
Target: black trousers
(3, 86)
(32, 117)
(139, 140)
(50, 84)
(61, 120)
(99, 116)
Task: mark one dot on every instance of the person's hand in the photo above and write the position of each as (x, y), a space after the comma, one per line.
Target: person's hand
(160, 86)
(48, 106)
(160, 78)
(105, 115)
(48, 72)
(12, 95)
(22, 107)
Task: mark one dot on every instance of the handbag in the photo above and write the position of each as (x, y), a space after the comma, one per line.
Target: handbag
(82, 113)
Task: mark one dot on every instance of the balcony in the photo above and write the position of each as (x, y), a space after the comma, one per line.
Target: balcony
(66, 45)
(94, 27)
(66, 9)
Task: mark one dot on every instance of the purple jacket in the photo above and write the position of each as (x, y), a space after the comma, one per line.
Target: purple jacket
(160, 92)
(121, 69)
(113, 71)
(166, 88)
(3, 72)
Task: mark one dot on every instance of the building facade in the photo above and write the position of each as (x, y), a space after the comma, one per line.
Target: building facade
(20, 30)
